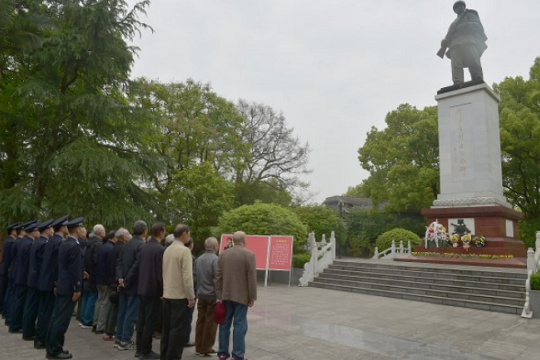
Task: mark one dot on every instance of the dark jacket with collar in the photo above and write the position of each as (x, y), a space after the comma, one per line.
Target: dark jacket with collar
(23, 261)
(12, 271)
(102, 267)
(48, 273)
(6, 255)
(36, 258)
(70, 267)
(93, 245)
(150, 267)
(128, 269)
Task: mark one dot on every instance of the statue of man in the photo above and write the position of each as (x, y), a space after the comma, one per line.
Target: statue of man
(466, 42)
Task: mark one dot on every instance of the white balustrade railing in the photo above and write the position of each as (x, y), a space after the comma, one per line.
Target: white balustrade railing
(533, 264)
(393, 251)
(322, 255)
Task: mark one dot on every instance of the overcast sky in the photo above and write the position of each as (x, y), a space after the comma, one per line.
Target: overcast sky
(334, 68)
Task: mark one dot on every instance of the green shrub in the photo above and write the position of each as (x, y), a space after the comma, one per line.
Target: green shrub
(361, 248)
(535, 281)
(265, 219)
(384, 241)
(321, 220)
(300, 259)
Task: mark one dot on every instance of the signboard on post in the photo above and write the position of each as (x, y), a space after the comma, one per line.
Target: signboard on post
(271, 252)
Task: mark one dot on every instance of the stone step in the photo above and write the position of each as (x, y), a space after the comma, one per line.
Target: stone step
(454, 270)
(514, 285)
(419, 283)
(429, 273)
(411, 289)
(473, 304)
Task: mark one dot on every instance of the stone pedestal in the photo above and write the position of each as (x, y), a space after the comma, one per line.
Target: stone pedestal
(471, 174)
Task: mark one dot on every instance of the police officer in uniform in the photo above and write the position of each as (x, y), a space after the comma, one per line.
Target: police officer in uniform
(68, 289)
(48, 275)
(32, 296)
(6, 262)
(9, 300)
(21, 277)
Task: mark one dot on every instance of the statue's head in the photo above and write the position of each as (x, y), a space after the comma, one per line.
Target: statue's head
(459, 7)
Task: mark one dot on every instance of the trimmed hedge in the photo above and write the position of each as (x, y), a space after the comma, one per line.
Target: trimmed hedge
(535, 281)
(300, 259)
(384, 241)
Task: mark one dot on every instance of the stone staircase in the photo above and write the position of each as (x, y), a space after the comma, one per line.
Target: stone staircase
(492, 289)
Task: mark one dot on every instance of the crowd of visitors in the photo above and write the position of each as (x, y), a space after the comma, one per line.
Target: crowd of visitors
(120, 284)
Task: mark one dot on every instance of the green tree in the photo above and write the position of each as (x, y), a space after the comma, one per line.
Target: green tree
(265, 219)
(68, 141)
(520, 146)
(321, 220)
(402, 160)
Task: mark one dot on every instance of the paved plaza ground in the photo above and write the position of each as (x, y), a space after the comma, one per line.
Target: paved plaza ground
(308, 323)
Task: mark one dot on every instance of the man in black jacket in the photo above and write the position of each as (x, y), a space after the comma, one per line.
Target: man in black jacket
(48, 275)
(68, 289)
(150, 266)
(6, 263)
(90, 295)
(31, 305)
(128, 280)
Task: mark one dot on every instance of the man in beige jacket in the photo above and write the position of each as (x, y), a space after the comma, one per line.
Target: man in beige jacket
(236, 286)
(178, 295)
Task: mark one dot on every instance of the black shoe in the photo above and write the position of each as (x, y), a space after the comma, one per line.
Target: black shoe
(61, 355)
(39, 345)
(150, 356)
(137, 354)
(28, 338)
(94, 328)
(190, 344)
(99, 332)
(15, 331)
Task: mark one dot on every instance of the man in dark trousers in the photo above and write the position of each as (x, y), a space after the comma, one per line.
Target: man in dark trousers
(6, 263)
(9, 300)
(128, 281)
(90, 293)
(122, 237)
(48, 275)
(68, 289)
(31, 305)
(21, 277)
(103, 283)
(150, 266)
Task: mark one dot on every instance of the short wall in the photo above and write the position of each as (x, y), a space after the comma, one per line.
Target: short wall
(281, 277)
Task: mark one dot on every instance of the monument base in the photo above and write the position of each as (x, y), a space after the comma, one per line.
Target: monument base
(498, 224)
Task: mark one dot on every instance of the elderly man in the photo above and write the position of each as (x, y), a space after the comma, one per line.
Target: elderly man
(178, 294)
(103, 283)
(205, 331)
(236, 286)
(466, 42)
(90, 294)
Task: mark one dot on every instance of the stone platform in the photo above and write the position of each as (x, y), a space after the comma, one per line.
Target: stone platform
(515, 263)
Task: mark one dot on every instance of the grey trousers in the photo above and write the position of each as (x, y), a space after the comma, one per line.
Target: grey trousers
(103, 307)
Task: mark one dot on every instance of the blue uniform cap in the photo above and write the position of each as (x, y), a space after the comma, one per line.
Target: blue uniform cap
(44, 225)
(32, 227)
(12, 227)
(58, 223)
(75, 222)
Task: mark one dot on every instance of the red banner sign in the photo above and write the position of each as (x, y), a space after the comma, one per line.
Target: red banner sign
(271, 252)
(280, 253)
(256, 244)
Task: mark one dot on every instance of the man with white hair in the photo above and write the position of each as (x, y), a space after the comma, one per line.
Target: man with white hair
(90, 293)
(205, 330)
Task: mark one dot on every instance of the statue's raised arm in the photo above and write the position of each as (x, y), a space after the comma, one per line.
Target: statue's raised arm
(464, 44)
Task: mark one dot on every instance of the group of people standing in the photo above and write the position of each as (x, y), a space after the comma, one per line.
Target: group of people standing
(125, 284)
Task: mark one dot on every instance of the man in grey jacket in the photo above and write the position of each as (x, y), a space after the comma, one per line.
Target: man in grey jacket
(206, 328)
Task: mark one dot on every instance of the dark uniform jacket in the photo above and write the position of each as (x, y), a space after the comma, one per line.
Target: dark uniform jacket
(48, 273)
(36, 258)
(70, 267)
(91, 257)
(12, 271)
(6, 255)
(150, 267)
(128, 269)
(102, 266)
(23, 261)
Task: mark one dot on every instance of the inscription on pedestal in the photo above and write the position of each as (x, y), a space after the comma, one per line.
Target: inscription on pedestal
(462, 154)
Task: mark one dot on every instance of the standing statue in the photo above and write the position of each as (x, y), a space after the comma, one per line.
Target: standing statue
(466, 42)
